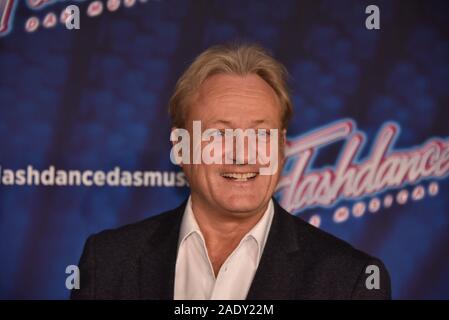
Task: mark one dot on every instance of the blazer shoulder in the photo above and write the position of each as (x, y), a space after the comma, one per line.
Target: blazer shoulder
(324, 243)
(111, 258)
(336, 264)
(326, 250)
(327, 241)
(131, 238)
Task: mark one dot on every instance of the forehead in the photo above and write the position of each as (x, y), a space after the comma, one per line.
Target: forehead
(236, 100)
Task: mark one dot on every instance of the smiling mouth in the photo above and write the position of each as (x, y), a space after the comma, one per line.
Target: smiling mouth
(240, 177)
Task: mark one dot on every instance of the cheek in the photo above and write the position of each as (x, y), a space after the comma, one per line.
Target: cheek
(205, 174)
(194, 173)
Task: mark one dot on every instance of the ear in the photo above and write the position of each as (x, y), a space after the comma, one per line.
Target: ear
(174, 142)
(283, 140)
(284, 137)
(171, 133)
(283, 143)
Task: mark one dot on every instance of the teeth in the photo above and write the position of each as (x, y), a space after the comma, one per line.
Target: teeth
(240, 176)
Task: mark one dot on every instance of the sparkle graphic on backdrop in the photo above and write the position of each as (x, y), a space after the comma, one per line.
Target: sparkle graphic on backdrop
(50, 19)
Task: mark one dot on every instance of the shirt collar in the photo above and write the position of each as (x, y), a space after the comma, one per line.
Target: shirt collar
(259, 232)
(188, 224)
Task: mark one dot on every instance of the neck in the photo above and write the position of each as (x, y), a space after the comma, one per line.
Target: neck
(222, 231)
(224, 225)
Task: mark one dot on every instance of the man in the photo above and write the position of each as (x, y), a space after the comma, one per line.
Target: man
(230, 239)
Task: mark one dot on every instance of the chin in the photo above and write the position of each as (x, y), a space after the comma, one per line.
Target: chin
(241, 203)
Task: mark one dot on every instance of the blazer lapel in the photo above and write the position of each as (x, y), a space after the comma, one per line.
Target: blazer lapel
(281, 267)
(158, 260)
(281, 261)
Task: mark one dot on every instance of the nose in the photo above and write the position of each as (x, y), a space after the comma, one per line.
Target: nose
(240, 147)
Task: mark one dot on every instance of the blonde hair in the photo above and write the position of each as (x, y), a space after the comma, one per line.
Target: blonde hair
(238, 59)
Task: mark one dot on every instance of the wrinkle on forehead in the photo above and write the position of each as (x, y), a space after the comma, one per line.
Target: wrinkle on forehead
(225, 86)
(224, 95)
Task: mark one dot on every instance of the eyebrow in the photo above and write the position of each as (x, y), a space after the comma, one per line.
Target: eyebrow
(229, 123)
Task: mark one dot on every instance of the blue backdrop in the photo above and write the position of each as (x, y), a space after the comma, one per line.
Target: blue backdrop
(96, 99)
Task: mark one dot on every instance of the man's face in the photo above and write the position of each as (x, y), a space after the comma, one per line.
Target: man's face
(235, 102)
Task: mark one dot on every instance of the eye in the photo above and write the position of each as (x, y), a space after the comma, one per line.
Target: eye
(216, 133)
(263, 133)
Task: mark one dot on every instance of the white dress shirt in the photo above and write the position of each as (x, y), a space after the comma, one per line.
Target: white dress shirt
(195, 278)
